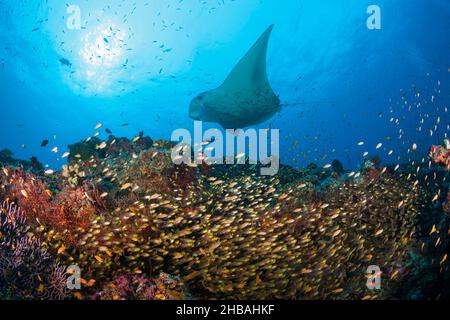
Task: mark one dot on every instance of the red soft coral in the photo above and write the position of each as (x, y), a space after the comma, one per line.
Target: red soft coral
(69, 209)
(30, 193)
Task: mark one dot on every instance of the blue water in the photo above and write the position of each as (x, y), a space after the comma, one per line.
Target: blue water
(342, 82)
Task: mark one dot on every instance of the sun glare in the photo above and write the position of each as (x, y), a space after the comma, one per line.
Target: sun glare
(102, 54)
(104, 46)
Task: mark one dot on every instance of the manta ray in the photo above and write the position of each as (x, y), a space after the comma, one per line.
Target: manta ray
(245, 98)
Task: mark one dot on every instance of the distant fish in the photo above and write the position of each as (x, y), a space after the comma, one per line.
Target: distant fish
(65, 62)
(44, 143)
(125, 124)
(108, 131)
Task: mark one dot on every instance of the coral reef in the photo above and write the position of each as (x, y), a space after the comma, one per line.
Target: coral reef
(114, 147)
(69, 209)
(27, 270)
(246, 236)
(441, 154)
(128, 217)
(7, 159)
(135, 287)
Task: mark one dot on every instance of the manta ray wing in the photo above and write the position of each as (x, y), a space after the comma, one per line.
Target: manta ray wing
(250, 72)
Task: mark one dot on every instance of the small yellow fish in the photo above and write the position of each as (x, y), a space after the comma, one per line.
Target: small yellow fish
(125, 186)
(102, 145)
(62, 249)
(192, 275)
(78, 295)
(86, 283)
(216, 183)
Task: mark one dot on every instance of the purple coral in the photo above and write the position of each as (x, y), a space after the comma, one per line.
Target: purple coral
(27, 270)
(441, 154)
(138, 287)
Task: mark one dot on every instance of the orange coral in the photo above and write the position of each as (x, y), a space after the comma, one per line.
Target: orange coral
(71, 208)
(30, 193)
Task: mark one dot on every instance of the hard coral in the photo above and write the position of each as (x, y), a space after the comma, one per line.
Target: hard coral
(85, 150)
(7, 159)
(117, 146)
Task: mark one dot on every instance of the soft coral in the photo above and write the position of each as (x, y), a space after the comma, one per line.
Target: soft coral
(69, 209)
(30, 192)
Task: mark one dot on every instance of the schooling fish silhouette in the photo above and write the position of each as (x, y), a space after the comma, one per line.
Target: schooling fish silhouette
(245, 98)
(65, 62)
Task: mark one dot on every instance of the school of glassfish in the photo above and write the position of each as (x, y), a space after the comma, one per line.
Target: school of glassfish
(124, 213)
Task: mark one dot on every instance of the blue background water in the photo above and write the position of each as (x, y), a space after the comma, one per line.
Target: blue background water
(346, 81)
